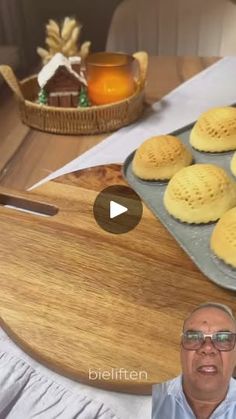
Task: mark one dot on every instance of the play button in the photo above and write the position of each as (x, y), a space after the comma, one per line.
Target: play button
(117, 209)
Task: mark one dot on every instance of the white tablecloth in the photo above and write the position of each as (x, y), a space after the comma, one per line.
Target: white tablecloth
(29, 390)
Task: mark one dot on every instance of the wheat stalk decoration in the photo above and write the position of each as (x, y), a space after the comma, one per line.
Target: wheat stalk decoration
(63, 38)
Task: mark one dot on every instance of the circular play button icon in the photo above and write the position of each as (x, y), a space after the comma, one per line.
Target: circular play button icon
(117, 209)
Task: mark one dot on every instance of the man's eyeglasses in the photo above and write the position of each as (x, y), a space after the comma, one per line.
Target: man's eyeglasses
(223, 341)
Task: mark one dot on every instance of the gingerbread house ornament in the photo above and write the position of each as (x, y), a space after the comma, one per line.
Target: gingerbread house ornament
(61, 79)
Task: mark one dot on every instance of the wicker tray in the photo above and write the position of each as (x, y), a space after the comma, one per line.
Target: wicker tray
(92, 120)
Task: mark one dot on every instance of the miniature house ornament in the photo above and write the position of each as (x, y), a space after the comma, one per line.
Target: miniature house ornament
(61, 81)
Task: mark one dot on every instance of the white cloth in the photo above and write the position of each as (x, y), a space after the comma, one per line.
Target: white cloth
(27, 394)
(29, 390)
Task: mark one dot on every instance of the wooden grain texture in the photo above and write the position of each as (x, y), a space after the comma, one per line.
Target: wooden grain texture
(78, 298)
(74, 296)
(32, 155)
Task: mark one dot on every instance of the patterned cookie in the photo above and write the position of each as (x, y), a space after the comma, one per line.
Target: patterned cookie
(159, 158)
(200, 193)
(215, 130)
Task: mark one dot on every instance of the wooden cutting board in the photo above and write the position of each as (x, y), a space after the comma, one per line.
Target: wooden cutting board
(101, 308)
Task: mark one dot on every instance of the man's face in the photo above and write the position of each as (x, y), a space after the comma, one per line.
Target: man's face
(207, 371)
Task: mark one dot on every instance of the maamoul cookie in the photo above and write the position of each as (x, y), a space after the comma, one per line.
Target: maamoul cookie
(223, 238)
(200, 193)
(215, 130)
(159, 158)
(233, 164)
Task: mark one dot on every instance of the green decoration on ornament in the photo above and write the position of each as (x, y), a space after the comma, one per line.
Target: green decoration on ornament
(83, 98)
(42, 97)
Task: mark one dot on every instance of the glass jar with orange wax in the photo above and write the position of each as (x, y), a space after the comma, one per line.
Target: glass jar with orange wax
(110, 77)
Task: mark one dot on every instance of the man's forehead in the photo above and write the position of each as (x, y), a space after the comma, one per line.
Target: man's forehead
(210, 316)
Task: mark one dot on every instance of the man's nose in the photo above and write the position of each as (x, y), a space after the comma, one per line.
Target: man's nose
(208, 346)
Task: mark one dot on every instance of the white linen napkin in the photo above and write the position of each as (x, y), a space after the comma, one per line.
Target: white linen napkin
(214, 86)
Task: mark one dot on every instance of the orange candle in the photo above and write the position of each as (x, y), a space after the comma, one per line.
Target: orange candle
(110, 77)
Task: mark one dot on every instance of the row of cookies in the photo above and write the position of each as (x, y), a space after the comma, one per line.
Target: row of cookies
(159, 158)
(197, 193)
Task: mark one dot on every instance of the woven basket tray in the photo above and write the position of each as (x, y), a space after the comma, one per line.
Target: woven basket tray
(91, 120)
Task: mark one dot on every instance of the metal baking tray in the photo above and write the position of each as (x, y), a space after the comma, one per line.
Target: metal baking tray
(194, 239)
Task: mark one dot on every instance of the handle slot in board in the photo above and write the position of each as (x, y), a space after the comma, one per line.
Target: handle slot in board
(27, 205)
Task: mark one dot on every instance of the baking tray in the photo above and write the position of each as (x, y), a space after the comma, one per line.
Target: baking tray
(194, 239)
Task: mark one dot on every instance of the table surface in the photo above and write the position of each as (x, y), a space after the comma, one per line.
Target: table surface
(27, 155)
(153, 284)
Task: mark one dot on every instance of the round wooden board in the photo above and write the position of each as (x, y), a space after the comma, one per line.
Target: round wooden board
(104, 309)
